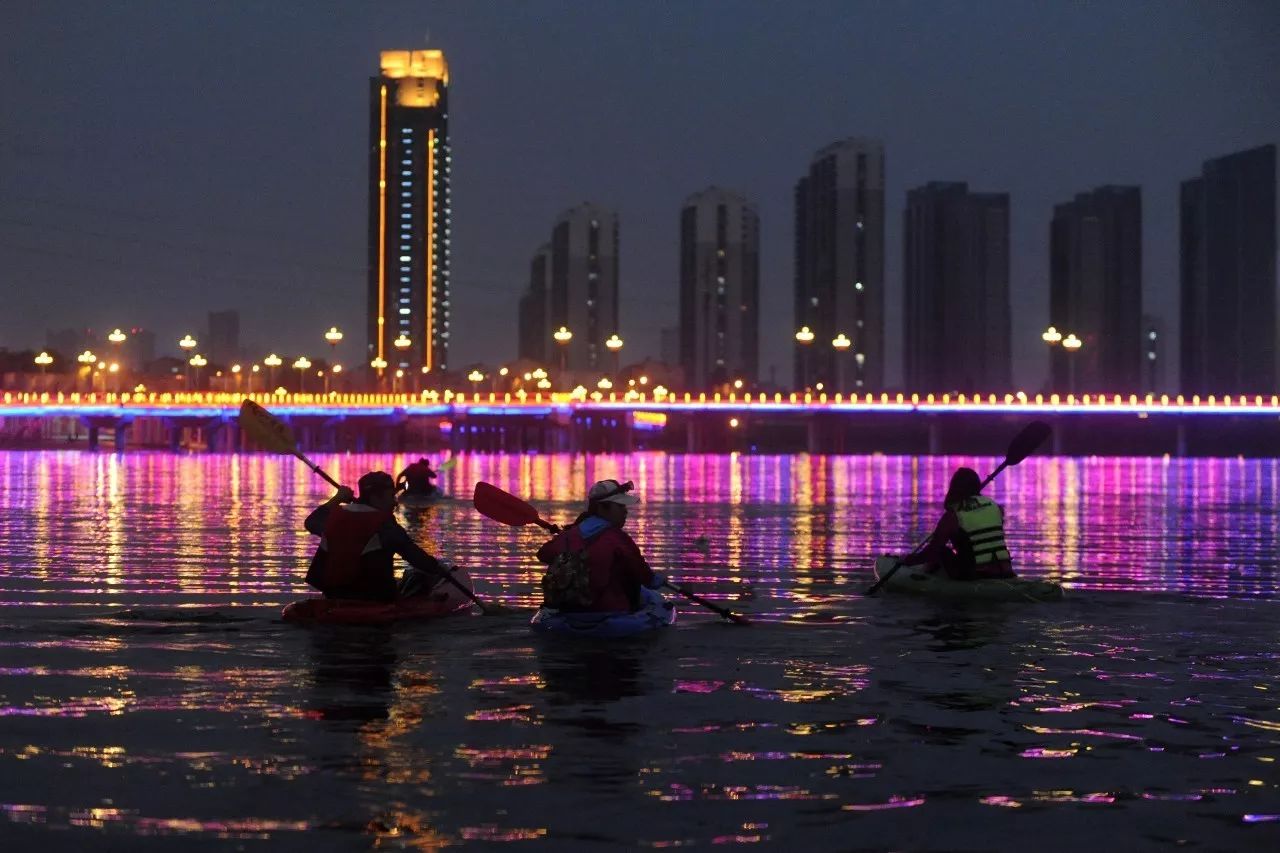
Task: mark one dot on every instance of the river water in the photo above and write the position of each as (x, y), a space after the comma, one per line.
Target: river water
(151, 698)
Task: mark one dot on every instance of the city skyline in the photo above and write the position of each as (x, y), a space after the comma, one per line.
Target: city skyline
(146, 234)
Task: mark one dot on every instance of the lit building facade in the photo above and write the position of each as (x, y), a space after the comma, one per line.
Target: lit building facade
(839, 264)
(409, 211)
(534, 327)
(719, 289)
(1095, 291)
(956, 289)
(1228, 276)
(584, 285)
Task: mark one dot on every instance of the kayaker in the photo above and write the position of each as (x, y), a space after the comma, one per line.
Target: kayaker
(593, 566)
(416, 478)
(359, 539)
(968, 543)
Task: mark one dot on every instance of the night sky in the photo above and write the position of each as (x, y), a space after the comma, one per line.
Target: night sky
(162, 159)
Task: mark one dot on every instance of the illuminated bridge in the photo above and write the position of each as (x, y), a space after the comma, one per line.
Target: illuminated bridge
(599, 422)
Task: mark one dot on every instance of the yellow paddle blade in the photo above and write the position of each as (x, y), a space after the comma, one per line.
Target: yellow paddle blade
(265, 429)
(448, 463)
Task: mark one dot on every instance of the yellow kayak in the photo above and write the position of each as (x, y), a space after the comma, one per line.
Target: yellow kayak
(917, 580)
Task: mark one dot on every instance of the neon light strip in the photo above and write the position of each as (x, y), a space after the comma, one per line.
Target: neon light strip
(382, 223)
(431, 249)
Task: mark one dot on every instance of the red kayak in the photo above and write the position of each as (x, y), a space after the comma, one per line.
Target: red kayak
(444, 600)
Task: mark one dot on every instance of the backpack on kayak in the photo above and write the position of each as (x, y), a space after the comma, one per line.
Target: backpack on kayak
(567, 582)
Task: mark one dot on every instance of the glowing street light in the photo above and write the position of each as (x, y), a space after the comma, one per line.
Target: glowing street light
(1072, 342)
(841, 343)
(117, 337)
(562, 336)
(403, 342)
(272, 361)
(805, 337)
(44, 360)
(188, 343)
(604, 384)
(614, 343)
(1051, 336)
(333, 336)
(197, 361)
(301, 366)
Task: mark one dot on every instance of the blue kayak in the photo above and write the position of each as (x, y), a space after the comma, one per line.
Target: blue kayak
(654, 613)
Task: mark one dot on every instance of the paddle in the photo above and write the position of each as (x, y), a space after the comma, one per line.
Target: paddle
(1022, 446)
(505, 507)
(273, 434)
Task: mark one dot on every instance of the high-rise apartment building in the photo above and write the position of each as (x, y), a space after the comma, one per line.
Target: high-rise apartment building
(1095, 291)
(1228, 276)
(409, 211)
(534, 329)
(839, 265)
(719, 289)
(223, 342)
(956, 290)
(584, 286)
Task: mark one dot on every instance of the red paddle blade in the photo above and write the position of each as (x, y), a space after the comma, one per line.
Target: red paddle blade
(503, 506)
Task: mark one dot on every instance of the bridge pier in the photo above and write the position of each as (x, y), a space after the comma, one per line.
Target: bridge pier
(935, 442)
(1182, 438)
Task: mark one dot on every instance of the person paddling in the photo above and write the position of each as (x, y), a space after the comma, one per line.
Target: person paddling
(593, 566)
(968, 543)
(359, 539)
(416, 478)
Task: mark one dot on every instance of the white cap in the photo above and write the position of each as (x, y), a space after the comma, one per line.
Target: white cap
(611, 491)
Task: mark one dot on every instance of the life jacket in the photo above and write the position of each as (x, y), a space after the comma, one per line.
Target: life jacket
(567, 582)
(350, 534)
(981, 536)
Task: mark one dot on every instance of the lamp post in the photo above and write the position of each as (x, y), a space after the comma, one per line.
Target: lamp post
(615, 346)
(88, 359)
(43, 360)
(475, 377)
(1072, 345)
(402, 343)
(335, 370)
(804, 337)
(301, 365)
(395, 383)
(253, 371)
(197, 361)
(187, 343)
(333, 337)
(235, 371)
(841, 343)
(379, 364)
(272, 361)
(562, 337)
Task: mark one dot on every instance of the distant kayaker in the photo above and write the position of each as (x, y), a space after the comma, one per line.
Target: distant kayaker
(968, 543)
(416, 479)
(593, 565)
(359, 539)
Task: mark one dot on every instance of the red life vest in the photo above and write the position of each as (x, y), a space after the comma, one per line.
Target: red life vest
(350, 533)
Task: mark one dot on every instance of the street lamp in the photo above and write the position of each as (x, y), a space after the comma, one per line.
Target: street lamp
(235, 370)
(253, 371)
(403, 342)
(188, 343)
(272, 361)
(333, 371)
(562, 337)
(1072, 345)
(805, 337)
(301, 365)
(395, 385)
(197, 361)
(379, 364)
(333, 336)
(44, 360)
(615, 346)
(88, 359)
(476, 377)
(841, 343)
(604, 384)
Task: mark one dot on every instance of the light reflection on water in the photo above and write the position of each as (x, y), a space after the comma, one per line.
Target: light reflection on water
(147, 687)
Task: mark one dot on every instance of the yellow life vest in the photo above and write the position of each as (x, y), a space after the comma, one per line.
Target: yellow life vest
(981, 537)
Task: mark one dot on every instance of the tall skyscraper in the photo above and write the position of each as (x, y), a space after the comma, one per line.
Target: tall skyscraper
(584, 285)
(534, 332)
(1095, 291)
(719, 289)
(1228, 255)
(839, 267)
(224, 337)
(409, 211)
(956, 283)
